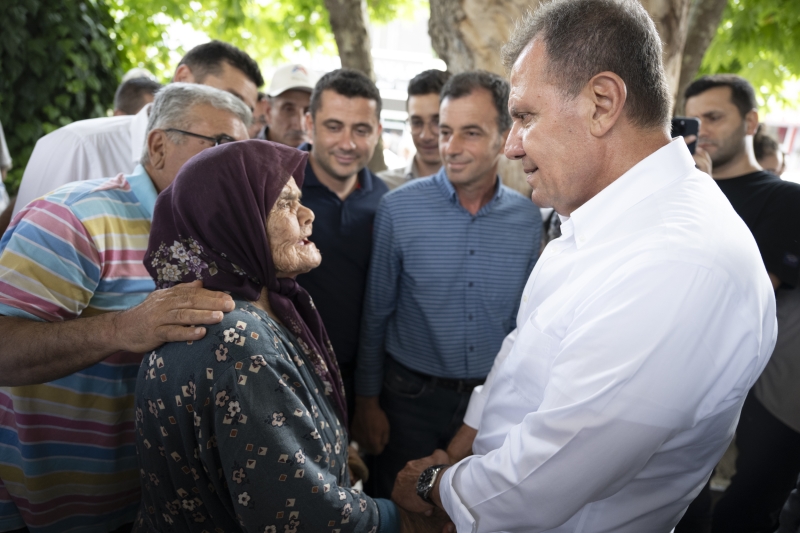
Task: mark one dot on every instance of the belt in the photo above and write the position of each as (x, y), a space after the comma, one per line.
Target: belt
(458, 385)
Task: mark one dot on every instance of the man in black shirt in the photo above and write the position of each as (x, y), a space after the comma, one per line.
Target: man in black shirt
(344, 125)
(768, 434)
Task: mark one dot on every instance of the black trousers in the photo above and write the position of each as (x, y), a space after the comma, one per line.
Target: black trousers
(766, 471)
(422, 417)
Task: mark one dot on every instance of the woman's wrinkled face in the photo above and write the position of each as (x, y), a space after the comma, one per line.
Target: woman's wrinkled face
(288, 230)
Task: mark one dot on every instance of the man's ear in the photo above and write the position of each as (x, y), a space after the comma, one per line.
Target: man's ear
(184, 74)
(751, 122)
(157, 149)
(607, 93)
(268, 110)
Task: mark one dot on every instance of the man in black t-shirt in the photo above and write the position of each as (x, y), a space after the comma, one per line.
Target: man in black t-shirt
(768, 434)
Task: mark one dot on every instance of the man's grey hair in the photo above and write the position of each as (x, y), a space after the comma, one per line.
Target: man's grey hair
(173, 108)
(586, 37)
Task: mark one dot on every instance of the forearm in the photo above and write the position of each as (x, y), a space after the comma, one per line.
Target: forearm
(37, 352)
(461, 445)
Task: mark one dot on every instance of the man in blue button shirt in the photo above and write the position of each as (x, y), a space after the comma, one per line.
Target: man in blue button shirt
(451, 256)
(344, 124)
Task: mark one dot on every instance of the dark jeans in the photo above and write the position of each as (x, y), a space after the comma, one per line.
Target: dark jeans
(423, 416)
(766, 471)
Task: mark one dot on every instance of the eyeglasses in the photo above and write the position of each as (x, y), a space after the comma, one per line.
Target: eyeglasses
(219, 139)
(417, 126)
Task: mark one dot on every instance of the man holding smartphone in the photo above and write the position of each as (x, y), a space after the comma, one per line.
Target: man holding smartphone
(768, 434)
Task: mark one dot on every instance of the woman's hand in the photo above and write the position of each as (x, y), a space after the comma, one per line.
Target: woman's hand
(358, 470)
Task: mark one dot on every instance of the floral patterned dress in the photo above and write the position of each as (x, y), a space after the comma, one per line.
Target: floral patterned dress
(234, 434)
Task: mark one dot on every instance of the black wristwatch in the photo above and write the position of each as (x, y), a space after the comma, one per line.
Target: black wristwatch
(426, 481)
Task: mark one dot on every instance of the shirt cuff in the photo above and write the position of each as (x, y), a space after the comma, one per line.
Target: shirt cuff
(477, 401)
(451, 501)
(388, 516)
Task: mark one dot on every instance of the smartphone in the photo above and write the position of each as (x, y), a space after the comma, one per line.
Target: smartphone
(685, 126)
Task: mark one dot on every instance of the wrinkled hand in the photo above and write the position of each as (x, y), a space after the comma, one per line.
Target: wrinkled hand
(170, 315)
(405, 494)
(701, 157)
(358, 470)
(370, 425)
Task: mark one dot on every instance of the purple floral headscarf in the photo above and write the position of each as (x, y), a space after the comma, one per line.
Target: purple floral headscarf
(209, 224)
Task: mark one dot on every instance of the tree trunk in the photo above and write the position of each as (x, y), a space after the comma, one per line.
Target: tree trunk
(349, 24)
(704, 18)
(468, 35)
(672, 22)
(349, 21)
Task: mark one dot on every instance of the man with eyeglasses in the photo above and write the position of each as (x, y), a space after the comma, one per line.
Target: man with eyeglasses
(423, 119)
(78, 310)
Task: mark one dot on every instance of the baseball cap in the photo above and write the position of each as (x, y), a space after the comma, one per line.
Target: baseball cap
(288, 77)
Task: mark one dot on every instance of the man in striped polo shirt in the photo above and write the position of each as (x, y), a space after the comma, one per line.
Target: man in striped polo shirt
(450, 258)
(77, 306)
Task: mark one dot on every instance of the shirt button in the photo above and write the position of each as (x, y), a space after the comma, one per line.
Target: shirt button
(470, 317)
(472, 252)
(470, 284)
(471, 348)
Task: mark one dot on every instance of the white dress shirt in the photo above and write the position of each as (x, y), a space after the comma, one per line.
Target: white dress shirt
(83, 150)
(640, 331)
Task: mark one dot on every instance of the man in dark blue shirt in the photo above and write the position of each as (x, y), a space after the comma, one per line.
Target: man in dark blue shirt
(344, 125)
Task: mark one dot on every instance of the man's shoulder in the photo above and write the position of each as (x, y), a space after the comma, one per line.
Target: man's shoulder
(78, 194)
(518, 202)
(413, 189)
(91, 128)
(378, 186)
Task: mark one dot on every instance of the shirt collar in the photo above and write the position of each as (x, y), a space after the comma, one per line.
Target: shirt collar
(446, 188)
(649, 175)
(142, 186)
(138, 129)
(365, 177)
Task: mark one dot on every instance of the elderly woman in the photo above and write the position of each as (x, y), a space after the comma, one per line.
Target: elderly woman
(245, 430)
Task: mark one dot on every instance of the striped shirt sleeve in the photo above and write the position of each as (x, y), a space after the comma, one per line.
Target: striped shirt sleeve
(49, 265)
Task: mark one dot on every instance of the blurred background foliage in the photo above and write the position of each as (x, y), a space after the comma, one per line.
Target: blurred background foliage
(759, 40)
(58, 63)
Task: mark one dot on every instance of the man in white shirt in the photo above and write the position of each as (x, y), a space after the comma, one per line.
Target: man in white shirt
(641, 328)
(101, 147)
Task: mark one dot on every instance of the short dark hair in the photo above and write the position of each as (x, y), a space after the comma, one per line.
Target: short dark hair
(207, 59)
(428, 82)
(586, 37)
(130, 95)
(466, 83)
(743, 95)
(764, 145)
(346, 82)
(261, 96)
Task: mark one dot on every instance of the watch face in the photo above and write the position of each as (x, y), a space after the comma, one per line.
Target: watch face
(424, 481)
